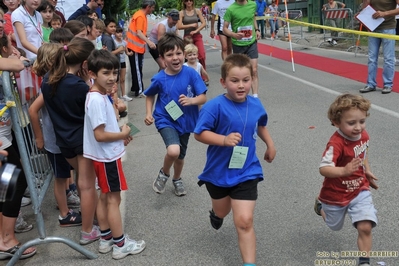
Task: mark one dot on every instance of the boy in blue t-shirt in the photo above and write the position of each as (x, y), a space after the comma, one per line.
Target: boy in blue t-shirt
(230, 124)
(180, 91)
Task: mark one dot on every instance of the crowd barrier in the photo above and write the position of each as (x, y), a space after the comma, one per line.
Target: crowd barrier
(38, 170)
(343, 18)
(296, 32)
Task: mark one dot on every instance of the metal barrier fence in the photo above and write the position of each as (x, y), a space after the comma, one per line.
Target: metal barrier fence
(38, 170)
(338, 18)
(296, 31)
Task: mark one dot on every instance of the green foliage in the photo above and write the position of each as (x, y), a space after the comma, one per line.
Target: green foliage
(113, 8)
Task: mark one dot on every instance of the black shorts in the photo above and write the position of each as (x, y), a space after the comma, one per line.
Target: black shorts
(247, 190)
(70, 153)
(154, 52)
(123, 65)
(61, 167)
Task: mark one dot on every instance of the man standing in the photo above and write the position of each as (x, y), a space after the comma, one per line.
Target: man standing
(386, 9)
(159, 30)
(260, 16)
(91, 5)
(136, 41)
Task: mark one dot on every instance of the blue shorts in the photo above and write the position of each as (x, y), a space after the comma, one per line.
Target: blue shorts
(359, 209)
(61, 167)
(170, 136)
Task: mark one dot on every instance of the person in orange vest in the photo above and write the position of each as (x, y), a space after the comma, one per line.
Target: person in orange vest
(136, 41)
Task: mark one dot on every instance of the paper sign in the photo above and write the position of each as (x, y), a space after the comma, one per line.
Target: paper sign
(366, 17)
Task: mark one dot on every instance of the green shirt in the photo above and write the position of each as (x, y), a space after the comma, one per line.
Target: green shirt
(241, 18)
(46, 33)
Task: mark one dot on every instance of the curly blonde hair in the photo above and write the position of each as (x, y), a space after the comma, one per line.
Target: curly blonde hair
(344, 103)
(45, 58)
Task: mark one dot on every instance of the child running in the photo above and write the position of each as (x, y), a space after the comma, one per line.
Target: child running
(347, 173)
(191, 54)
(229, 124)
(64, 91)
(45, 138)
(180, 90)
(104, 144)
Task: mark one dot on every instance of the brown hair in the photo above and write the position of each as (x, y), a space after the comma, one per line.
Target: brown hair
(236, 60)
(169, 42)
(344, 103)
(76, 52)
(45, 58)
(75, 26)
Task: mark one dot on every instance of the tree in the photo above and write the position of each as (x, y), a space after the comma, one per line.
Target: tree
(112, 8)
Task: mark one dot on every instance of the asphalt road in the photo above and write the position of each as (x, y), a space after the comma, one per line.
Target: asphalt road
(177, 230)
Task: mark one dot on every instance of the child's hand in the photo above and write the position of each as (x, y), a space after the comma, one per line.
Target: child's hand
(370, 176)
(127, 140)
(149, 120)
(352, 167)
(185, 101)
(232, 139)
(125, 131)
(270, 154)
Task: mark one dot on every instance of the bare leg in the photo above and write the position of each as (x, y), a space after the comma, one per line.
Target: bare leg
(178, 168)
(255, 82)
(172, 153)
(60, 196)
(364, 239)
(243, 212)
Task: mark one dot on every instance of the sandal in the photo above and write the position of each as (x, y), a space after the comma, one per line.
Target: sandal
(9, 253)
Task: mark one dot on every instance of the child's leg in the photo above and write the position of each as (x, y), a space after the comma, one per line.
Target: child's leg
(60, 196)
(114, 214)
(243, 211)
(86, 184)
(172, 153)
(364, 239)
(178, 168)
(122, 76)
(101, 212)
(221, 207)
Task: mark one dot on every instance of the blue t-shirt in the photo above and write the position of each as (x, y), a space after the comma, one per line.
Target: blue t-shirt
(223, 116)
(66, 109)
(260, 7)
(168, 88)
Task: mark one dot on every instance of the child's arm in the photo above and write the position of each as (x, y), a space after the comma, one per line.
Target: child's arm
(264, 135)
(204, 74)
(35, 120)
(186, 101)
(212, 138)
(149, 103)
(369, 175)
(118, 50)
(19, 27)
(103, 136)
(347, 170)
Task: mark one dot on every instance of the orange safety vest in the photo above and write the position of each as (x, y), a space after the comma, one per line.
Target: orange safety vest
(134, 43)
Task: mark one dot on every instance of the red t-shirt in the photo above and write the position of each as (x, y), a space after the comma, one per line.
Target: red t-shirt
(339, 152)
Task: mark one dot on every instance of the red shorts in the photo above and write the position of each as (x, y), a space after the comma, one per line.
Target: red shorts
(110, 176)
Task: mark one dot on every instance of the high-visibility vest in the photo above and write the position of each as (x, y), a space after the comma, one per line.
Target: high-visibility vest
(134, 43)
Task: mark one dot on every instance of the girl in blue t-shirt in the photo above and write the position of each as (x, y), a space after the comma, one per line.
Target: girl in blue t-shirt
(230, 124)
(64, 91)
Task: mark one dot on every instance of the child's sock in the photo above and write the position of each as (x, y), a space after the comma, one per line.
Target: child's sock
(175, 180)
(67, 191)
(363, 260)
(72, 187)
(119, 241)
(255, 95)
(249, 264)
(106, 234)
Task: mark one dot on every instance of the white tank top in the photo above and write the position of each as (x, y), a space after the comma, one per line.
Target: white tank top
(154, 32)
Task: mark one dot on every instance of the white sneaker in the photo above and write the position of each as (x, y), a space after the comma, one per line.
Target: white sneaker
(334, 42)
(21, 225)
(105, 246)
(25, 201)
(130, 247)
(127, 98)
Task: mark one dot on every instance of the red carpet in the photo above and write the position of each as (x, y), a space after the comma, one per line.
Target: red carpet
(341, 68)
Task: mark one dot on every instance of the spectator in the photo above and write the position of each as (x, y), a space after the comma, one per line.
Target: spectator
(136, 41)
(162, 27)
(333, 22)
(27, 23)
(91, 5)
(260, 13)
(386, 10)
(59, 13)
(188, 22)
